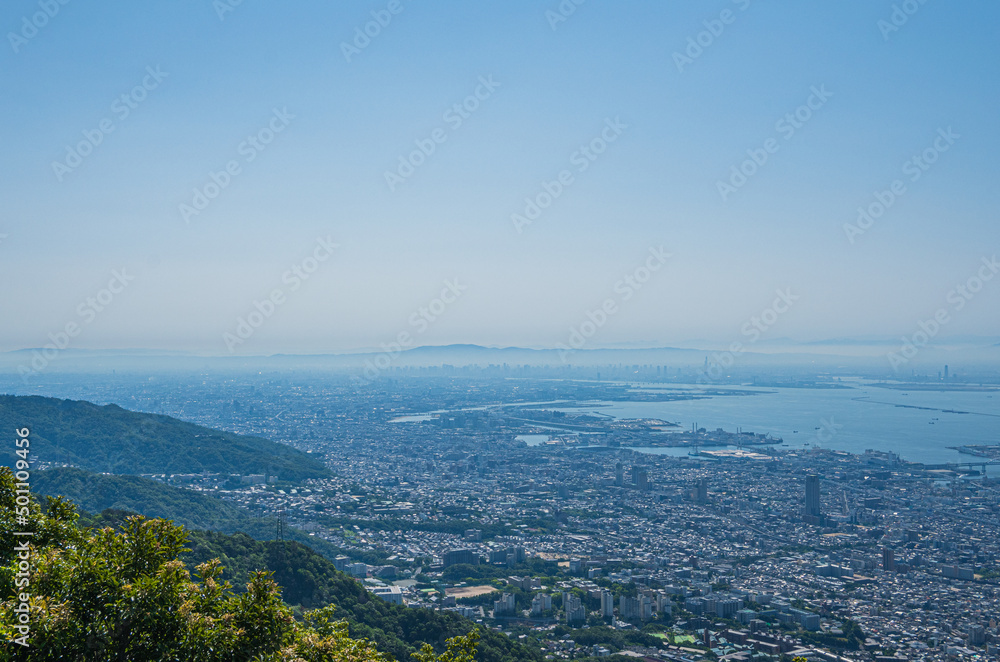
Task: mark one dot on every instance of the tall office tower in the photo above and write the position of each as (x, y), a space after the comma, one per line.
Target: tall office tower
(888, 559)
(702, 494)
(812, 495)
(642, 480)
(619, 475)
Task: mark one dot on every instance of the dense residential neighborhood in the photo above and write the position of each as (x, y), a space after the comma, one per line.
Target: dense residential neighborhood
(519, 506)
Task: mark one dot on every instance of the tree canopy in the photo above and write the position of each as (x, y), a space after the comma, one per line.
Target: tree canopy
(114, 440)
(124, 594)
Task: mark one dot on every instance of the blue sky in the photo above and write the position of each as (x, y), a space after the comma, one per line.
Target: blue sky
(554, 90)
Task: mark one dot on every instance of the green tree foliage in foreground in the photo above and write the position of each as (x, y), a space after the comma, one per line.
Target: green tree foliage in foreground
(194, 510)
(106, 594)
(308, 581)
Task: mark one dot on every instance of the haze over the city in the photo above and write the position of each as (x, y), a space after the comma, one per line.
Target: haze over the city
(625, 121)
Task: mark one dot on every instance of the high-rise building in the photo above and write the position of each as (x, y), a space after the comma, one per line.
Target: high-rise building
(505, 606)
(619, 475)
(575, 611)
(702, 490)
(630, 609)
(607, 604)
(642, 480)
(646, 607)
(663, 604)
(540, 603)
(888, 559)
(812, 508)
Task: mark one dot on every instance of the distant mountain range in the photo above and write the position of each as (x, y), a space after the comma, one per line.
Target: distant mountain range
(114, 440)
(779, 352)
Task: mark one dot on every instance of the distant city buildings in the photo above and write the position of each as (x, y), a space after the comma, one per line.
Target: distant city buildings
(756, 563)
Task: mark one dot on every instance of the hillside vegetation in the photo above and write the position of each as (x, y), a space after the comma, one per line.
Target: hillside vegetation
(194, 510)
(114, 440)
(101, 594)
(310, 581)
